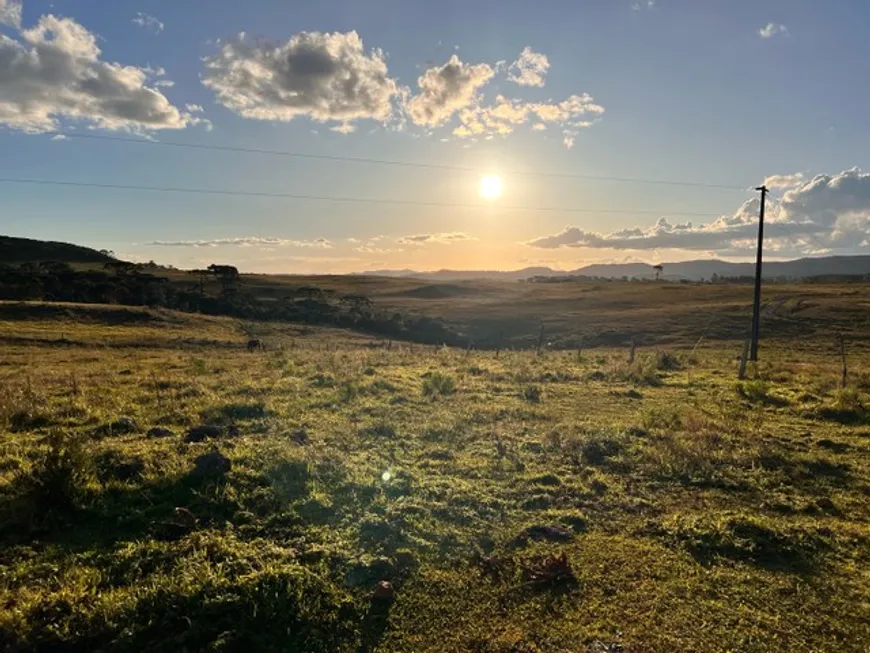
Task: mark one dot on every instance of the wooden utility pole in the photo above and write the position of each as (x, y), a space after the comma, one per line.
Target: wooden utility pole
(756, 306)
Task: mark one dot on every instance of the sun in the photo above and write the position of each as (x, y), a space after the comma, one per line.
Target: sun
(491, 187)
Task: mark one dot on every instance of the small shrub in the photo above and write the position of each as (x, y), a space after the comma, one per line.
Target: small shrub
(755, 390)
(348, 392)
(667, 361)
(593, 449)
(60, 480)
(438, 384)
(198, 366)
(847, 408)
(532, 394)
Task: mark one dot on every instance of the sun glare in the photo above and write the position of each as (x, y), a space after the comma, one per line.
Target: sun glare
(491, 187)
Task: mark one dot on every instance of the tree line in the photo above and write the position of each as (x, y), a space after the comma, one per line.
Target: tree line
(120, 282)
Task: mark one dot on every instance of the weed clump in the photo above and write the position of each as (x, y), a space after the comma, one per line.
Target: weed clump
(755, 390)
(532, 394)
(437, 384)
(59, 481)
(847, 408)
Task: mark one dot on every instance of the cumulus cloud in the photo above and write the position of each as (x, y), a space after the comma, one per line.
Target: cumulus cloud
(772, 29)
(530, 69)
(55, 71)
(784, 181)
(446, 89)
(344, 128)
(324, 76)
(10, 12)
(247, 241)
(440, 239)
(148, 23)
(502, 116)
(829, 213)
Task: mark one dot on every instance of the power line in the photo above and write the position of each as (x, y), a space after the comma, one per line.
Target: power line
(357, 200)
(408, 164)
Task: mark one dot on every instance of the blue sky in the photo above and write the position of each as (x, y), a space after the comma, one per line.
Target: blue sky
(728, 93)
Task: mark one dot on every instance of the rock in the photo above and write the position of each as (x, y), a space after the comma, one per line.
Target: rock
(541, 533)
(384, 591)
(203, 432)
(300, 437)
(211, 465)
(160, 432)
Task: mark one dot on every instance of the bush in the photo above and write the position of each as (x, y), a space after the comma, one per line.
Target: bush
(532, 393)
(667, 361)
(847, 408)
(755, 390)
(59, 481)
(437, 383)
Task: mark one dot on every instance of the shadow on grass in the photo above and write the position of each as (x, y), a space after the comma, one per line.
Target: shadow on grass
(741, 538)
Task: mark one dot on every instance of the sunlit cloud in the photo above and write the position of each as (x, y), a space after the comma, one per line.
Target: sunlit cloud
(247, 241)
(829, 213)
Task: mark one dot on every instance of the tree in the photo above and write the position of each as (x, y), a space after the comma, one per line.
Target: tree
(228, 275)
(659, 270)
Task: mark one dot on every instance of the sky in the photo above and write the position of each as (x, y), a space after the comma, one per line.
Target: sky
(348, 136)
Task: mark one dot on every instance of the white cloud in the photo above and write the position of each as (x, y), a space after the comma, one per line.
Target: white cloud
(569, 138)
(649, 4)
(10, 12)
(539, 127)
(323, 76)
(165, 83)
(194, 108)
(502, 116)
(772, 29)
(368, 249)
(149, 23)
(784, 181)
(829, 213)
(344, 128)
(446, 89)
(439, 239)
(55, 71)
(247, 241)
(530, 69)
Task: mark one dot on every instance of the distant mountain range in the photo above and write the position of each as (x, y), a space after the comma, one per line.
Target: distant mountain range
(23, 250)
(691, 270)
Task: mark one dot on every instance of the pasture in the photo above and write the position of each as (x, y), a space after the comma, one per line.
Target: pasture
(164, 489)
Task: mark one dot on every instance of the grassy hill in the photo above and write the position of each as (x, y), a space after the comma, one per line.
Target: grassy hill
(27, 250)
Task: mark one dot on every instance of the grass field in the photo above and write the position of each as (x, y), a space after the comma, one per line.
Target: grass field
(163, 489)
(493, 313)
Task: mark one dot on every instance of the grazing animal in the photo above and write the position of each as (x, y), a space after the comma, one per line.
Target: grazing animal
(254, 345)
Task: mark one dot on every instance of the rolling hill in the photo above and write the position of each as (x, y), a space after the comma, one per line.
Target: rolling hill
(28, 250)
(691, 270)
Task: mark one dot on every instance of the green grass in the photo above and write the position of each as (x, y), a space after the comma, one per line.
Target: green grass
(690, 516)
